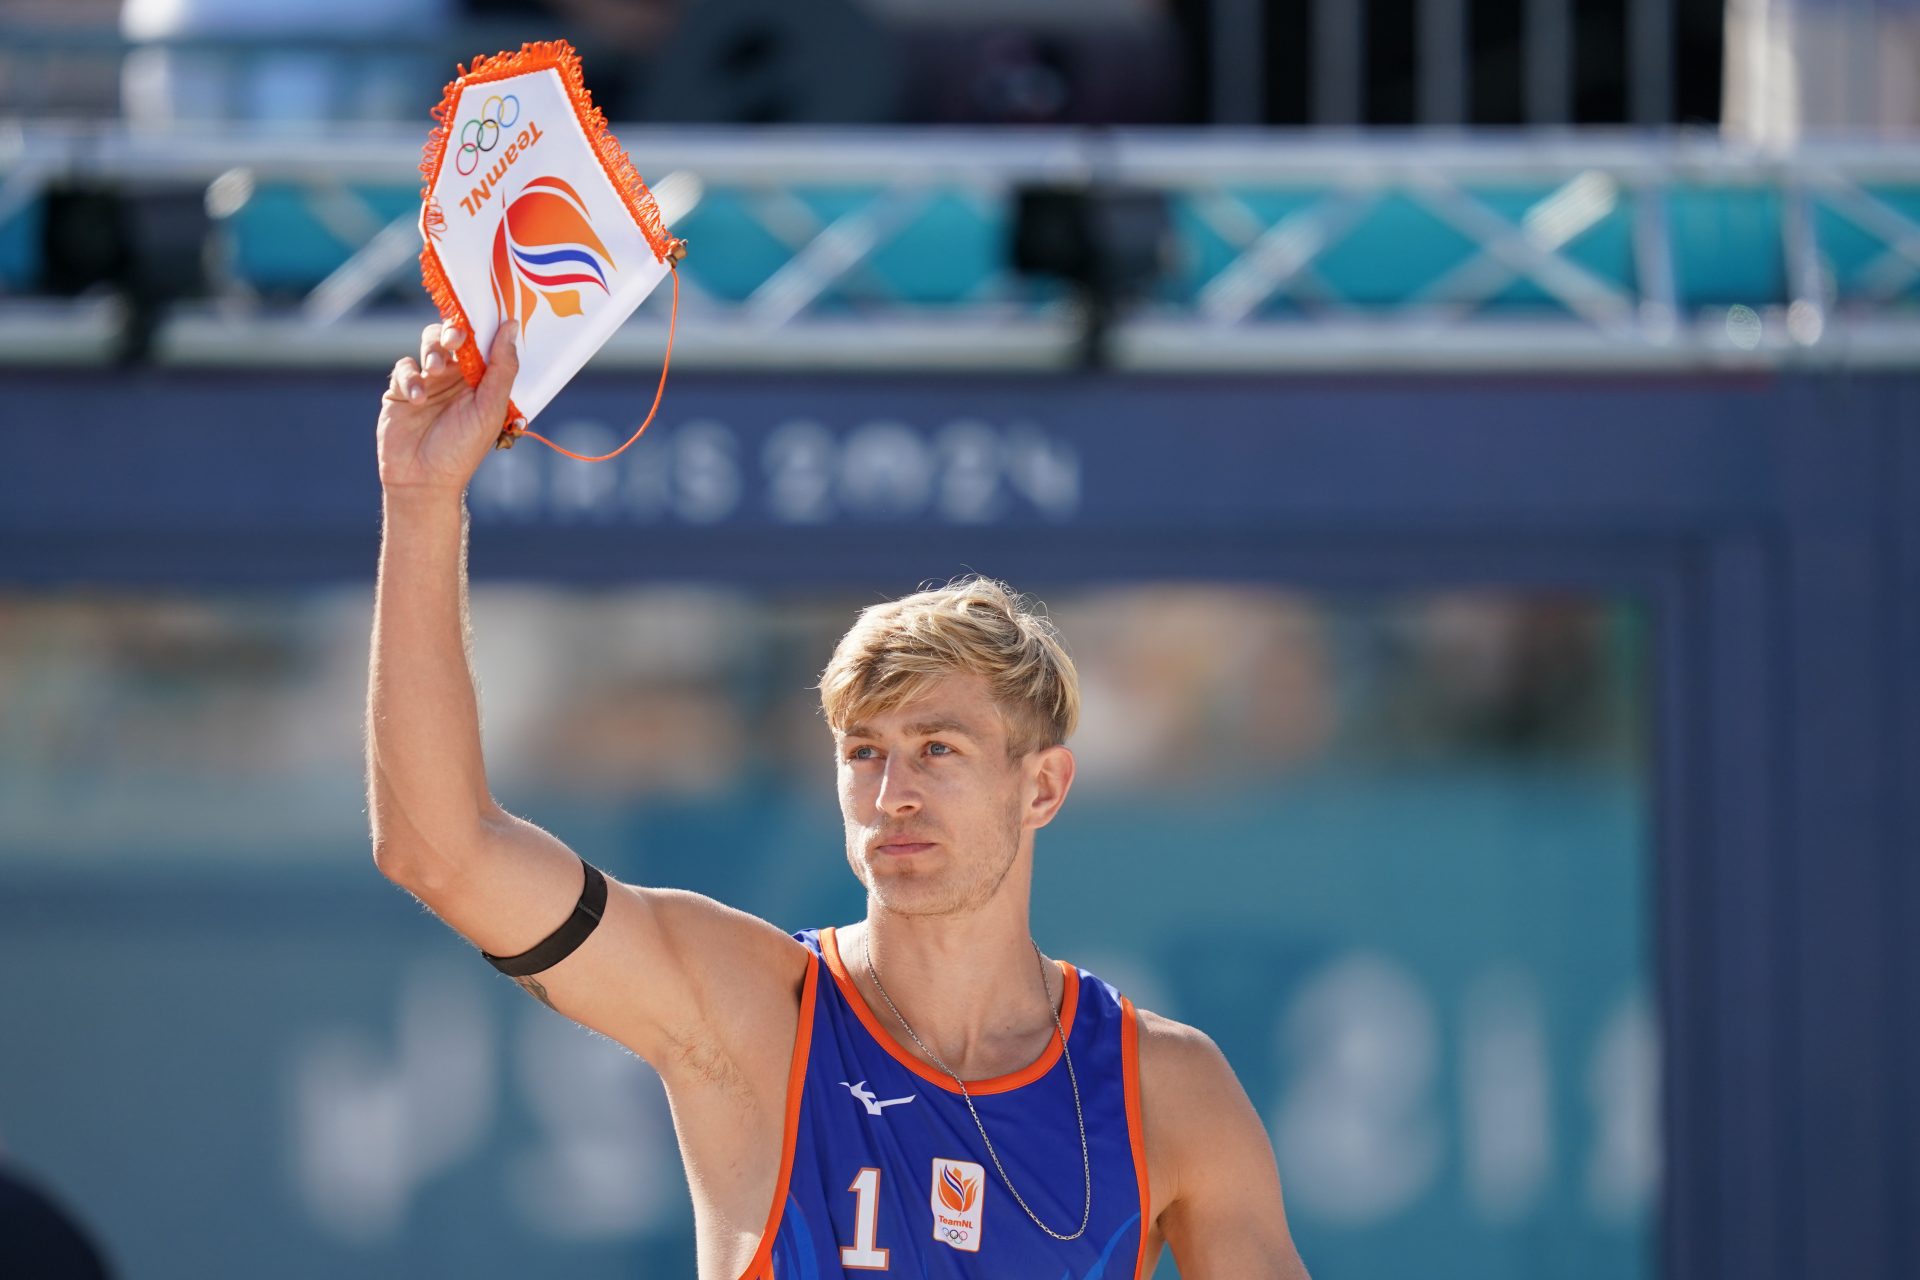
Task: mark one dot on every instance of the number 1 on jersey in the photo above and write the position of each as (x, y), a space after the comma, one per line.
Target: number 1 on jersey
(862, 1254)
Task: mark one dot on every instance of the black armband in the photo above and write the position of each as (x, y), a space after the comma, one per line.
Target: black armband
(562, 942)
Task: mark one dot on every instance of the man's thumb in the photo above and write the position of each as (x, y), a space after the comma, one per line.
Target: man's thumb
(496, 384)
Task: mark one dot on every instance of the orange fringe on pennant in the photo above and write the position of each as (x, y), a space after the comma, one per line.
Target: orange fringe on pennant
(543, 55)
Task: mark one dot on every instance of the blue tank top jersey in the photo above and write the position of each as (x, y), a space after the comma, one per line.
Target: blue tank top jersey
(883, 1170)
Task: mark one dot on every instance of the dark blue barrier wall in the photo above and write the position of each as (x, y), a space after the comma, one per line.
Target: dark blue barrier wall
(1772, 524)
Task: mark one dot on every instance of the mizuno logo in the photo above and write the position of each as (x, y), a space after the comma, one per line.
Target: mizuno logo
(874, 1105)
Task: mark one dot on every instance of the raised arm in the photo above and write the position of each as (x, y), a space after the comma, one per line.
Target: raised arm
(673, 976)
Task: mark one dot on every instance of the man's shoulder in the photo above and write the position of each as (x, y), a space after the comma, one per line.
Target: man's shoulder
(1189, 1102)
(1174, 1046)
(1181, 1068)
(1213, 1173)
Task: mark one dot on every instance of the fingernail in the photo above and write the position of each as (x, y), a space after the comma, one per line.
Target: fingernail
(454, 338)
(434, 361)
(414, 392)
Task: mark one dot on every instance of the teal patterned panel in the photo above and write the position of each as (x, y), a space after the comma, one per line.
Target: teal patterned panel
(1850, 249)
(1727, 247)
(20, 247)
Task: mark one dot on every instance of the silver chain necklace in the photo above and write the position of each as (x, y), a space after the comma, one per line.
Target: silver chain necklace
(1086, 1163)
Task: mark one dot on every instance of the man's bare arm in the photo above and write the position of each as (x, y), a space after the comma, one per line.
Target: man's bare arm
(668, 974)
(1223, 1215)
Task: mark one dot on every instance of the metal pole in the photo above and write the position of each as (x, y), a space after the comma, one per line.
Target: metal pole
(1650, 65)
(1339, 69)
(1443, 61)
(1863, 66)
(1549, 61)
(1239, 62)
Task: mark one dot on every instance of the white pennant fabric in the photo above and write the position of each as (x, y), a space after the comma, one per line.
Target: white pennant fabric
(532, 212)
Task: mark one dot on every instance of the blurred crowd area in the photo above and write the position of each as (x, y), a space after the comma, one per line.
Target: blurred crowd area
(211, 726)
(974, 62)
(1765, 69)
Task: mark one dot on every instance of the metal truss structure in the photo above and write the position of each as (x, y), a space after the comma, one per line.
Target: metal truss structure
(885, 249)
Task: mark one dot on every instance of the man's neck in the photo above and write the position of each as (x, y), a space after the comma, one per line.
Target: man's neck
(969, 986)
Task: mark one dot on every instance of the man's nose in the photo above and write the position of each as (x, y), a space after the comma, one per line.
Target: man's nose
(898, 794)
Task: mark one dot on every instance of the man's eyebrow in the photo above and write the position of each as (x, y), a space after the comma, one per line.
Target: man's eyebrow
(943, 724)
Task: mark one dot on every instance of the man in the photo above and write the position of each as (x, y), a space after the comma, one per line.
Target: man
(921, 1092)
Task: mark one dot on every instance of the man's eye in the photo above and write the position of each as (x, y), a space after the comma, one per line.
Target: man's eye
(939, 748)
(860, 753)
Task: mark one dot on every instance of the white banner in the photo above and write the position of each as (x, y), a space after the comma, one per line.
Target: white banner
(524, 221)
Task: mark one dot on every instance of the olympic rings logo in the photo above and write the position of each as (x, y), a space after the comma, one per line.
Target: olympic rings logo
(953, 1234)
(482, 133)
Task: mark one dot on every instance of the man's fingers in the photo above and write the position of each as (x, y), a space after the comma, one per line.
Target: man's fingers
(503, 362)
(438, 342)
(405, 382)
(506, 343)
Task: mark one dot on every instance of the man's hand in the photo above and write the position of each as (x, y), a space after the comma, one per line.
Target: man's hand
(435, 429)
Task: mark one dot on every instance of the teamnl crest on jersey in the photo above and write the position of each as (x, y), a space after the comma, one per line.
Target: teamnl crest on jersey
(959, 1195)
(532, 212)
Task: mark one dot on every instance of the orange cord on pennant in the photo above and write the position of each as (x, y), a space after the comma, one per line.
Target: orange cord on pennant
(673, 320)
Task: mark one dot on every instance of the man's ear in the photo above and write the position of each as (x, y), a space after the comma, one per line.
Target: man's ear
(1050, 772)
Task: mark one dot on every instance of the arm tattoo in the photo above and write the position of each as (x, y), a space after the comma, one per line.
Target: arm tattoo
(533, 988)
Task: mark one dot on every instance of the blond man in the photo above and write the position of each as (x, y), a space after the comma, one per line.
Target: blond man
(921, 1092)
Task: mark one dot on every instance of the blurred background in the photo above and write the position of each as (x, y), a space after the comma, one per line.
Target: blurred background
(1470, 447)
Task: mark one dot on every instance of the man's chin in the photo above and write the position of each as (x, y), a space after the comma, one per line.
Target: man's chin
(906, 893)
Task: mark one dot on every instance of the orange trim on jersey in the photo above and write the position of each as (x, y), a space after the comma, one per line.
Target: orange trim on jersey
(1136, 1130)
(1069, 1005)
(761, 1268)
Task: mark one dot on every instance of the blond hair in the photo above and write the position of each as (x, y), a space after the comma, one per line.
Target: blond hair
(895, 651)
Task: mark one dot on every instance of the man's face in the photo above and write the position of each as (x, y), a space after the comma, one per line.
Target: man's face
(935, 811)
